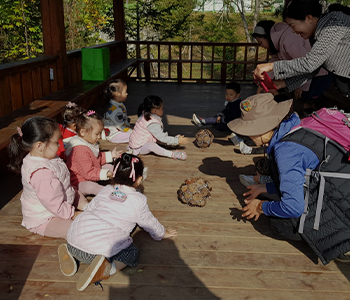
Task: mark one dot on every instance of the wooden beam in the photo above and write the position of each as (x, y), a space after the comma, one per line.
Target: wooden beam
(119, 26)
(52, 15)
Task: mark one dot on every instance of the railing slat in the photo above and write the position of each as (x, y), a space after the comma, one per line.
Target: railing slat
(221, 65)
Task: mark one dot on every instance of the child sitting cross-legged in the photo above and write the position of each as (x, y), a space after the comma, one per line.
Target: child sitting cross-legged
(100, 236)
(86, 163)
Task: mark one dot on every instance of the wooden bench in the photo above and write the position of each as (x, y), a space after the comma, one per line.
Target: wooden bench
(85, 93)
(87, 90)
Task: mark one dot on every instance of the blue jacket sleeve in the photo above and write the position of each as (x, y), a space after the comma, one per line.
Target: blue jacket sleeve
(292, 161)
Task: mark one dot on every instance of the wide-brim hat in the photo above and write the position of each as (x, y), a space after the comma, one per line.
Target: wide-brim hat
(260, 114)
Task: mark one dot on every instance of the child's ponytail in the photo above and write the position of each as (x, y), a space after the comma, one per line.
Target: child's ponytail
(127, 168)
(150, 102)
(17, 151)
(34, 129)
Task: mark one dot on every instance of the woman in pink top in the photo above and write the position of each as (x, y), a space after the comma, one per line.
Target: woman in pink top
(284, 44)
(101, 235)
(48, 199)
(84, 160)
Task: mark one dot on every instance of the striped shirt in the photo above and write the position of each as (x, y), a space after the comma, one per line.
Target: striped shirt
(330, 49)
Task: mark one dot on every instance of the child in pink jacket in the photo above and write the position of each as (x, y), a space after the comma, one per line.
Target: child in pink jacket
(84, 160)
(100, 236)
(48, 199)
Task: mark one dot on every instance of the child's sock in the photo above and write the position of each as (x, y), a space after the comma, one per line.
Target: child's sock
(179, 155)
(113, 269)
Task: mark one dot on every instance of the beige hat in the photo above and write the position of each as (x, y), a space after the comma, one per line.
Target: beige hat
(260, 114)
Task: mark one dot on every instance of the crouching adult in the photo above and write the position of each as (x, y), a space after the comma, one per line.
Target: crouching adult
(298, 158)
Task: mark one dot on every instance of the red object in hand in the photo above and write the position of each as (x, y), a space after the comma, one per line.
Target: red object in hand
(267, 83)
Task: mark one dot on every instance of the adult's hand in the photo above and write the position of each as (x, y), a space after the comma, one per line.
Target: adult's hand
(252, 210)
(297, 93)
(254, 191)
(261, 69)
(280, 84)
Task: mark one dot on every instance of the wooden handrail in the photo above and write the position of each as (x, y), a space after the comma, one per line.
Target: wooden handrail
(166, 61)
(25, 65)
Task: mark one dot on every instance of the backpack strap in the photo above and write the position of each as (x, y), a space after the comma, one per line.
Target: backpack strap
(306, 204)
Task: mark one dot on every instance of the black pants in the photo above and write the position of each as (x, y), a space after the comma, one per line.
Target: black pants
(287, 228)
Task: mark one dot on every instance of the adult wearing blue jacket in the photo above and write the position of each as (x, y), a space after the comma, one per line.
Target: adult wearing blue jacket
(267, 122)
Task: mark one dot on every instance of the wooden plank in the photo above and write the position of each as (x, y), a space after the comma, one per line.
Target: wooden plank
(16, 91)
(9, 123)
(5, 96)
(27, 90)
(214, 256)
(67, 291)
(45, 79)
(36, 83)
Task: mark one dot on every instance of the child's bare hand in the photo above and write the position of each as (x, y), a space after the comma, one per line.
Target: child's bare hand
(116, 153)
(170, 233)
(183, 140)
(109, 174)
(76, 213)
(218, 119)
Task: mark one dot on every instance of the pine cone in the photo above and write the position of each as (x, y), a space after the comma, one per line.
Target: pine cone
(204, 138)
(194, 192)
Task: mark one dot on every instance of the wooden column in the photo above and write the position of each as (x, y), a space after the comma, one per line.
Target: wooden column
(52, 15)
(119, 26)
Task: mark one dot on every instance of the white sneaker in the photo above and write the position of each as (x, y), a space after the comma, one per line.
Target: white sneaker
(144, 173)
(197, 120)
(247, 180)
(244, 148)
(235, 139)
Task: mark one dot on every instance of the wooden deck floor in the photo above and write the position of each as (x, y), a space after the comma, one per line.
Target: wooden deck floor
(216, 254)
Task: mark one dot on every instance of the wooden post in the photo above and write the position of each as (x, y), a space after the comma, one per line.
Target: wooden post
(223, 73)
(52, 15)
(119, 26)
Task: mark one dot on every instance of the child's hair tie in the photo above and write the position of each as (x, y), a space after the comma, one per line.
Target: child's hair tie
(90, 112)
(116, 167)
(19, 131)
(71, 104)
(132, 173)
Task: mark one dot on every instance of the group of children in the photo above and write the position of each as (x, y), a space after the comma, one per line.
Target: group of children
(61, 164)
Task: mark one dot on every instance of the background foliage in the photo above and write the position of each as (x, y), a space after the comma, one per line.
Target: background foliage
(90, 22)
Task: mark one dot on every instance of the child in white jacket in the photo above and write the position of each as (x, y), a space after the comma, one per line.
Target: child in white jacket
(100, 236)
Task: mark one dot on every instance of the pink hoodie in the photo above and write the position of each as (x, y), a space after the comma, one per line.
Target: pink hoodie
(289, 46)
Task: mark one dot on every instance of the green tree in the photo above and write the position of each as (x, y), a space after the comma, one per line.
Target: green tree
(155, 20)
(84, 20)
(20, 30)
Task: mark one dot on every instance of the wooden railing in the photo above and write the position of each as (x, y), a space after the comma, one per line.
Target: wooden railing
(23, 82)
(26, 81)
(196, 62)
